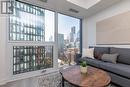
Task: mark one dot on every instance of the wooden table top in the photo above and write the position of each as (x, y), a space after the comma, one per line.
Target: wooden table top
(93, 78)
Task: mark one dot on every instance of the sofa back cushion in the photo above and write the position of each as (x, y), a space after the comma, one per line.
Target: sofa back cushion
(98, 51)
(124, 54)
(112, 58)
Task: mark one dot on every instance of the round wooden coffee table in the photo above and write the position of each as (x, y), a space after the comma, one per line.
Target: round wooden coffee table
(93, 78)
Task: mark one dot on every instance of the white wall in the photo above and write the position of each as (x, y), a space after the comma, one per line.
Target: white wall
(90, 26)
(3, 53)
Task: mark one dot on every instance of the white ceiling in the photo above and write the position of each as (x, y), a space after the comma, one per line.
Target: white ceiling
(63, 6)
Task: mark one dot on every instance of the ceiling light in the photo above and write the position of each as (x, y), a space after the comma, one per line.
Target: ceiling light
(84, 3)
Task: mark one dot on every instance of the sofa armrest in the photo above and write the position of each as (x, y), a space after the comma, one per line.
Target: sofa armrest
(78, 58)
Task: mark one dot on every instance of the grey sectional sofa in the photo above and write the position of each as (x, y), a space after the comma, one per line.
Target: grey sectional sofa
(119, 72)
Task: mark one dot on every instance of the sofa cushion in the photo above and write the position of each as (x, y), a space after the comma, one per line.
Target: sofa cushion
(98, 56)
(100, 50)
(92, 62)
(112, 58)
(88, 52)
(121, 69)
(124, 54)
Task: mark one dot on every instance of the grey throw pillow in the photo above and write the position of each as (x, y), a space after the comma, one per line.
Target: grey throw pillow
(112, 58)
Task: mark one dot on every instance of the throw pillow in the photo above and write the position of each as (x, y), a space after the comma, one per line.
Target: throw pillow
(112, 58)
(98, 56)
(88, 53)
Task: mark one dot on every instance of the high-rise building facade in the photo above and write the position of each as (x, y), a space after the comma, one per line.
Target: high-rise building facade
(72, 34)
(61, 42)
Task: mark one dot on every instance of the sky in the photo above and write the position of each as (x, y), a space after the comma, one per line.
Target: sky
(49, 25)
(64, 24)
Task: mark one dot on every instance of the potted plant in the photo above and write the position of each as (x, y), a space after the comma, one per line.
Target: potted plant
(83, 67)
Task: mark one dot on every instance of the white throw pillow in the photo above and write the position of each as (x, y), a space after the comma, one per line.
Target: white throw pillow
(88, 53)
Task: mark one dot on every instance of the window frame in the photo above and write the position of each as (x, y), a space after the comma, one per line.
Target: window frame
(34, 43)
(11, 43)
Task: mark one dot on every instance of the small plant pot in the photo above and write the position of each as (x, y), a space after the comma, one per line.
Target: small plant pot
(83, 69)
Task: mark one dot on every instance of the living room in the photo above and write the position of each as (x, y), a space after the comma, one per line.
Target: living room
(43, 43)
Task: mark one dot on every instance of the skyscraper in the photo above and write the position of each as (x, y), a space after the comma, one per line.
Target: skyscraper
(72, 33)
(61, 42)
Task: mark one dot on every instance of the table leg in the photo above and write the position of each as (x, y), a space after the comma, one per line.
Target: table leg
(63, 82)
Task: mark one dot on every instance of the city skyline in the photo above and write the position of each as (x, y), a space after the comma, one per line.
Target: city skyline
(65, 23)
(71, 42)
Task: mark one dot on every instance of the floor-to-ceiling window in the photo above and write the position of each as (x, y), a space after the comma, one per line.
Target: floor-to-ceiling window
(69, 40)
